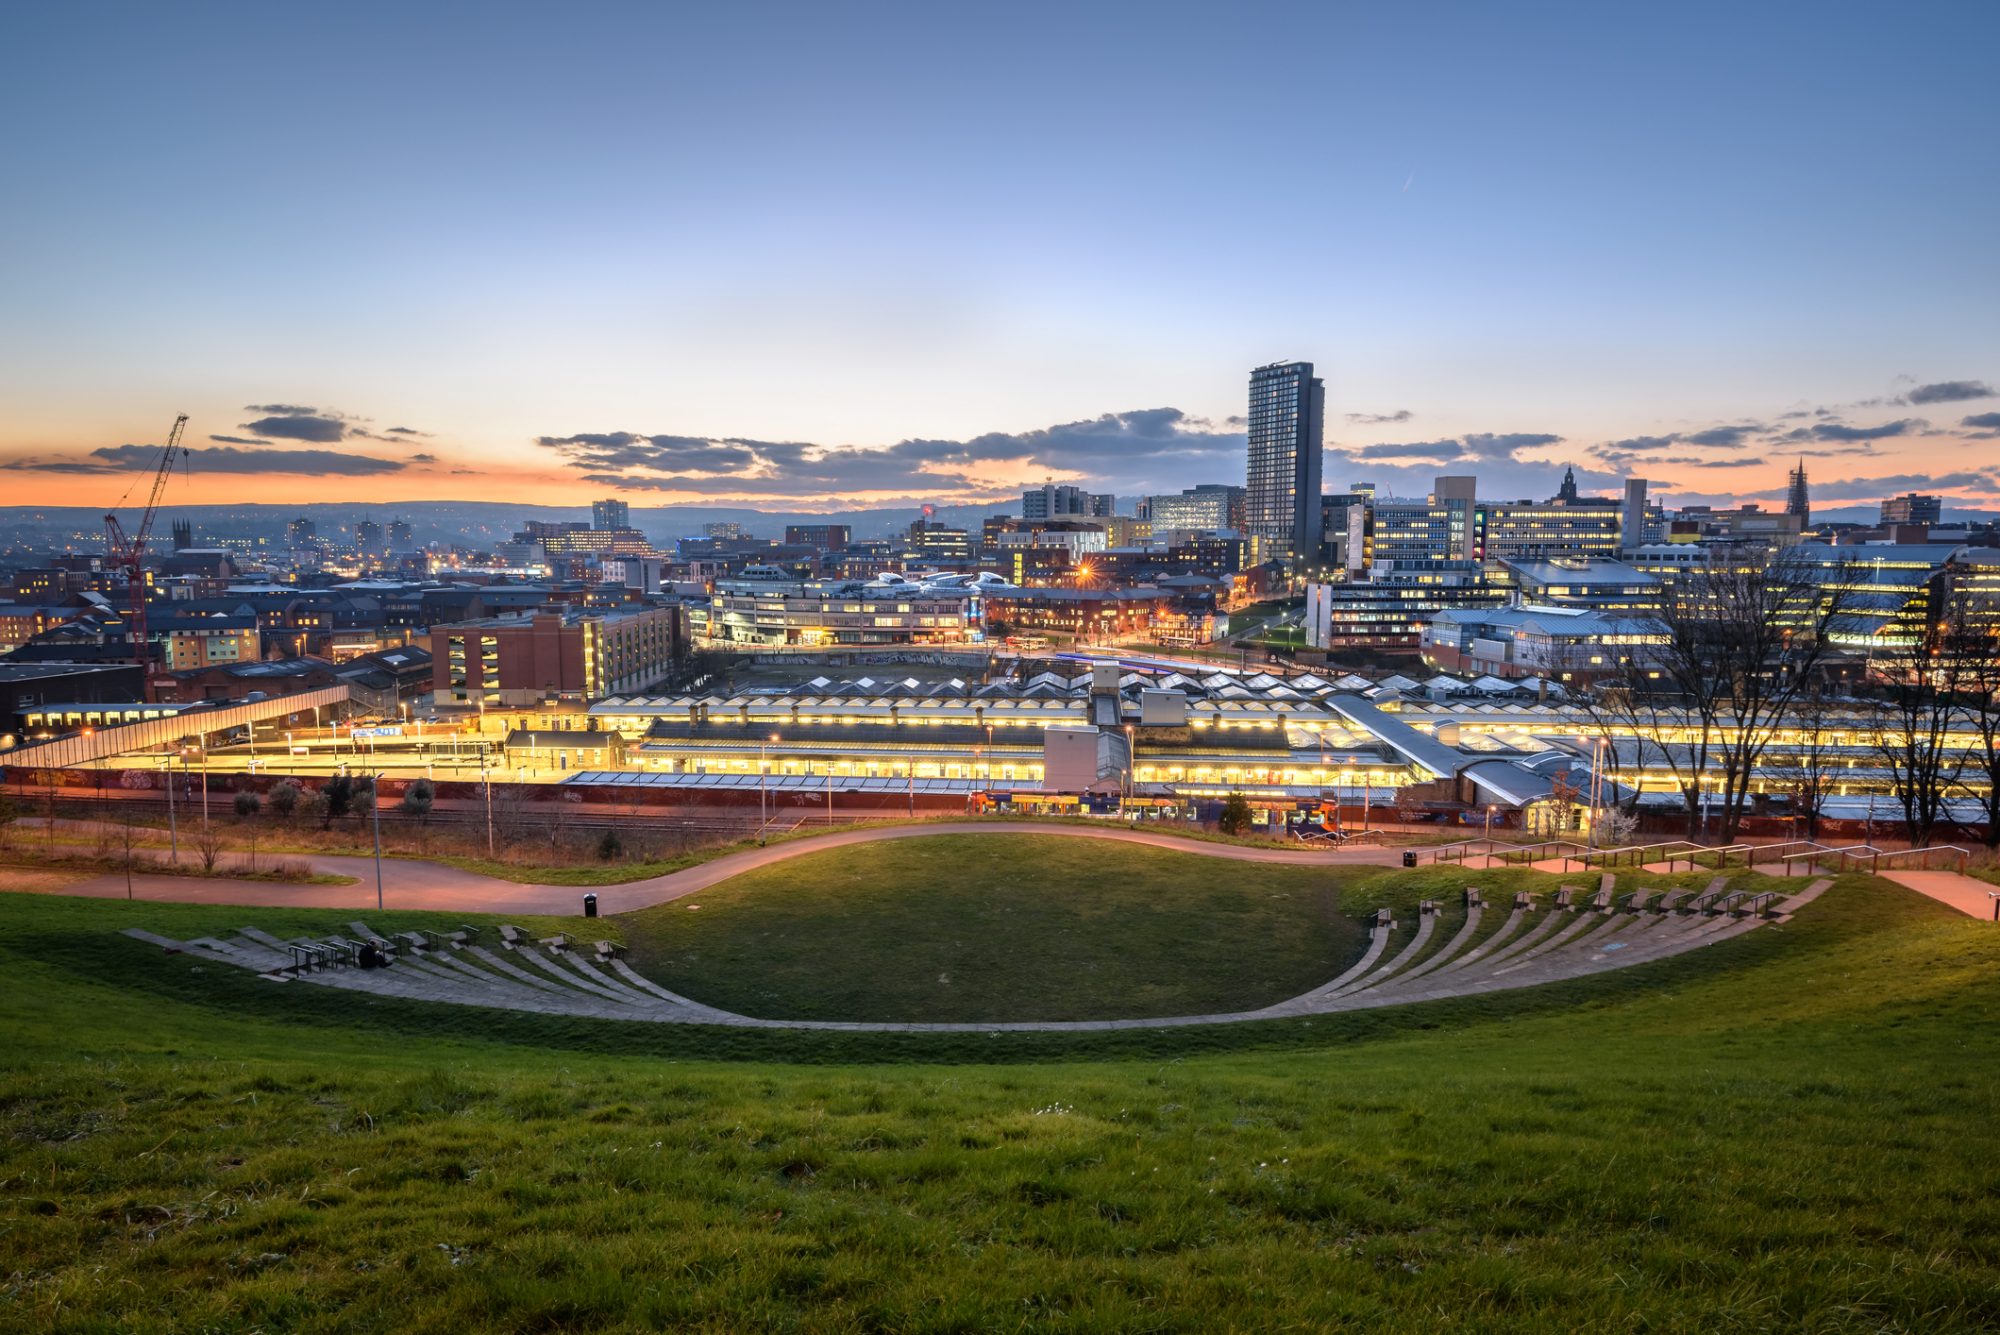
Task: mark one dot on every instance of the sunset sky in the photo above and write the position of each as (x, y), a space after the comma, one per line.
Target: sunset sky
(818, 255)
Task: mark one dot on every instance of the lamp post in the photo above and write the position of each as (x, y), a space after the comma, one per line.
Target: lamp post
(763, 790)
(1489, 820)
(173, 828)
(1131, 765)
(375, 810)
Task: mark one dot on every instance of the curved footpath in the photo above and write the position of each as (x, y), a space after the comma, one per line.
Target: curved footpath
(412, 884)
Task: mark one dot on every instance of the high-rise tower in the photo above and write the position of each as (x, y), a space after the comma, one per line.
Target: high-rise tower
(1797, 500)
(1281, 501)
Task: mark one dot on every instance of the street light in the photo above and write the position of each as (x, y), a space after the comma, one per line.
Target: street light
(763, 789)
(375, 810)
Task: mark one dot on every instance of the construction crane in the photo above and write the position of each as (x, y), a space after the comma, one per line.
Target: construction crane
(129, 554)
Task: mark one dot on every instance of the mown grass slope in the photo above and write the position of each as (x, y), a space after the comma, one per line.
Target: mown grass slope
(1000, 927)
(1787, 1131)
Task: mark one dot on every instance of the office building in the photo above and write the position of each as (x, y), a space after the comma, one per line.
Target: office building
(368, 538)
(1210, 508)
(610, 514)
(401, 539)
(1912, 508)
(929, 541)
(1281, 492)
(811, 613)
(301, 533)
(1054, 501)
(820, 537)
(562, 655)
(1634, 528)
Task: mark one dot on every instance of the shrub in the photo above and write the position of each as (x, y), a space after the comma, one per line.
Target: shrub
(419, 798)
(248, 804)
(1235, 818)
(610, 848)
(284, 798)
(338, 797)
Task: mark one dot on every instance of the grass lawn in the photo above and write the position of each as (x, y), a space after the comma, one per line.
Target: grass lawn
(999, 927)
(1787, 1131)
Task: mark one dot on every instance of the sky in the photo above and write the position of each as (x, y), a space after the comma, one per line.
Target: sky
(822, 256)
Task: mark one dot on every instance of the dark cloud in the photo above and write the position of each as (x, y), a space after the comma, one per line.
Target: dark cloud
(405, 431)
(1722, 437)
(279, 409)
(62, 465)
(1486, 445)
(1439, 450)
(1986, 421)
(229, 459)
(1380, 419)
(423, 458)
(238, 440)
(1840, 431)
(301, 426)
(1951, 391)
(1119, 450)
(1874, 488)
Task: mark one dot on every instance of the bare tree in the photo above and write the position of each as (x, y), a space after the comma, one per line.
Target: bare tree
(1975, 643)
(1807, 765)
(1918, 684)
(208, 845)
(1738, 640)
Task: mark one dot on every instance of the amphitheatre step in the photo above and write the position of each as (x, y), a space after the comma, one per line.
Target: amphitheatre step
(1426, 922)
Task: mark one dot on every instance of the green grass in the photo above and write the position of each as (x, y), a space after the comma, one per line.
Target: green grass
(999, 927)
(1787, 1131)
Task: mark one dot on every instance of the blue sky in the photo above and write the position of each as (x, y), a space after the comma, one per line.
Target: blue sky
(682, 235)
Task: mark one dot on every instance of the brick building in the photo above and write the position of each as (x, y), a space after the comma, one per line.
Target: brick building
(569, 654)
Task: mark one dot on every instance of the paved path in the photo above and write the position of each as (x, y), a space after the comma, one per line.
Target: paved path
(1964, 893)
(411, 884)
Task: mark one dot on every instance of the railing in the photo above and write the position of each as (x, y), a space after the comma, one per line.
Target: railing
(1545, 851)
(1638, 854)
(1866, 854)
(1776, 853)
(1923, 856)
(1459, 852)
(1698, 856)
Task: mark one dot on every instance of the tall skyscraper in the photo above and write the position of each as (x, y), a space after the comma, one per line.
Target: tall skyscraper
(1287, 417)
(1797, 500)
(610, 514)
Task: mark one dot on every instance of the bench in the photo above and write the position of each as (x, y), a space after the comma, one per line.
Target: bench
(1384, 919)
(1601, 901)
(513, 936)
(609, 950)
(1473, 899)
(560, 941)
(1636, 901)
(1524, 899)
(1566, 897)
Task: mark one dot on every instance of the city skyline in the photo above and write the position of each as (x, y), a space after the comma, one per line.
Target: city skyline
(418, 280)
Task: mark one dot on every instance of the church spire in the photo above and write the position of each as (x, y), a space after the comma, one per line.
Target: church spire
(1568, 491)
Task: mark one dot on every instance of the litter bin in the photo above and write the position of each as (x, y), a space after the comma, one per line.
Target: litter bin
(1409, 860)
(590, 902)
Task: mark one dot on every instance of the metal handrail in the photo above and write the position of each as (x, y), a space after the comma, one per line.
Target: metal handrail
(1722, 853)
(1615, 856)
(1756, 849)
(1923, 853)
(1539, 852)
